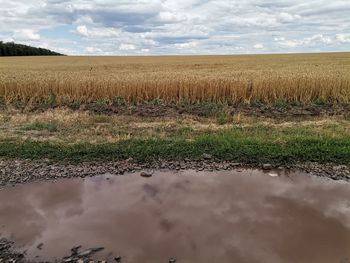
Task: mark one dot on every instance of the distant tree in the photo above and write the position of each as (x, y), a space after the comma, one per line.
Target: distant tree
(12, 49)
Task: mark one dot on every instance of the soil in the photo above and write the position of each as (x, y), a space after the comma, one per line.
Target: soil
(207, 110)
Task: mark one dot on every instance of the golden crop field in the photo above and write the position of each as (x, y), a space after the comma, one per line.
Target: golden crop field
(241, 78)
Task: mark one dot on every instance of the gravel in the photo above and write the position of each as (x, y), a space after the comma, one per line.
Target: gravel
(7, 252)
(14, 172)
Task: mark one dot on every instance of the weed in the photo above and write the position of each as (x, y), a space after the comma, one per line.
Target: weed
(100, 119)
(118, 101)
(101, 103)
(222, 119)
(2, 103)
(52, 100)
(40, 126)
(282, 104)
(75, 104)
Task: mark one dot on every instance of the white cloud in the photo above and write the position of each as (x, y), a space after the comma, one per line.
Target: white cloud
(93, 50)
(97, 32)
(279, 38)
(290, 43)
(318, 39)
(127, 47)
(170, 17)
(26, 34)
(258, 46)
(8, 39)
(308, 41)
(288, 18)
(343, 38)
(185, 45)
(82, 30)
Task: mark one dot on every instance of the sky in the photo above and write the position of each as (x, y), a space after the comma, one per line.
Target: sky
(177, 27)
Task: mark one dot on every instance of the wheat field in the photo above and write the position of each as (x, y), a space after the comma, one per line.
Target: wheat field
(242, 78)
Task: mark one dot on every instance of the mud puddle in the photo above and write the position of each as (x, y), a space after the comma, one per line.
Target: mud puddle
(248, 216)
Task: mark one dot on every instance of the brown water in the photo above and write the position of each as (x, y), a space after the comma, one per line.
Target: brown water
(240, 217)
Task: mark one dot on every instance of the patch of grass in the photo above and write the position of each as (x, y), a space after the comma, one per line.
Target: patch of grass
(154, 102)
(2, 103)
(347, 116)
(281, 104)
(6, 118)
(100, 119)
(205, 109)
(50, 102)
(75, 104)
(102, 103)
(183, 132)
(251, 146)
(252, 103)
(321, 103)
(222, 119)
(119, 101)
(41, 126)
(296, 103)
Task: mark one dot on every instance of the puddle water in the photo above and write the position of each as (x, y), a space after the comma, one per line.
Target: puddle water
(233, 216)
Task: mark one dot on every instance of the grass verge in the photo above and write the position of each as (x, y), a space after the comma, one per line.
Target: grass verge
(41, 126)
(278, 147)
(68, 135)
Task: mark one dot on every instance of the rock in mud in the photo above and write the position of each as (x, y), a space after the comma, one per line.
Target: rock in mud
(40, 246)
(89, 252)
(83, 255)
(75, 250)
(172, 260)
(267, 166)
(146, 174)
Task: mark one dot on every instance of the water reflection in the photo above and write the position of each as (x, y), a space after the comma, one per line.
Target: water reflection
(244, 216)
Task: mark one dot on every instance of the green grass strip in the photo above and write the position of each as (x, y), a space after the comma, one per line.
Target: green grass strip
(228, 145)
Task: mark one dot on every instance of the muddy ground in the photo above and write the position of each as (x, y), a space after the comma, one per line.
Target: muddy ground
(46, 170)
(201, 109)
(14, 172)
(9, 254)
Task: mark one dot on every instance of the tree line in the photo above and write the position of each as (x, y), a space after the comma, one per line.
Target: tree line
(12, 49)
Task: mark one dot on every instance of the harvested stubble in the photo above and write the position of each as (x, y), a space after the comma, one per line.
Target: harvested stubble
(245, 78)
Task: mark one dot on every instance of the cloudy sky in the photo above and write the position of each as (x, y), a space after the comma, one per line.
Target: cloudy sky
(156, 27)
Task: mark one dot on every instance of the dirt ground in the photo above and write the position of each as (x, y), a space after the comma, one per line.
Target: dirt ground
(207, 110)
